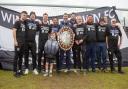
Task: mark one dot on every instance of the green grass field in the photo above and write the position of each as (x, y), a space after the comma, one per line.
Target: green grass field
(98, 80)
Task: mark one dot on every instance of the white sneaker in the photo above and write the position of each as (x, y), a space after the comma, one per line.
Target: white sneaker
(75, 71)
(46, 74)
(66, 71)
(35, 72)
(50, 75)
(84, 72)
(26, 71)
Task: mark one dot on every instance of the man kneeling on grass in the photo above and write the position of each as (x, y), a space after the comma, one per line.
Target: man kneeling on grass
(51, 48)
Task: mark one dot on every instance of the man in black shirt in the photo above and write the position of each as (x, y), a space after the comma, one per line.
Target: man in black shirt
(32, 28)
(114, 40)
(101, 44)
(43, 37)
(19, 32)
(80, 35)
(90, 44)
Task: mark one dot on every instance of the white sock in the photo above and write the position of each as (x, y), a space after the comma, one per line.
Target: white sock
(46, 71)
(19, 70)
(50, 71)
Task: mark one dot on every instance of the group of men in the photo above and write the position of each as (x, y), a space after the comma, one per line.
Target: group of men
(92, 40)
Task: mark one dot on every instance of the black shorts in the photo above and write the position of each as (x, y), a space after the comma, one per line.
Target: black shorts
(50, 58)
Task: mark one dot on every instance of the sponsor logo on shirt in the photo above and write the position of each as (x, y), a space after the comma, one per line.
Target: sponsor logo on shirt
(79, 31)
(114, 32)
(44, 29)
(32, 26)
(101, 29)
(90, 28)
(22, 26)
(54, 29)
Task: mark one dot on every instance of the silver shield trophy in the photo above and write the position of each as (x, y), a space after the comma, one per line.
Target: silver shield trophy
(65, 38)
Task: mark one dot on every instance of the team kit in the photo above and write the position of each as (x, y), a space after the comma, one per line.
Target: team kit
(91, 42)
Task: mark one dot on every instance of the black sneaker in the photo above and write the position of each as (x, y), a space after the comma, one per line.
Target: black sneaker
(87, 70)
(99, 68)
(113, 71)
(39, 71)
(17, 75)
(93, 70)
(21, 73)
(104, 70)
(120, 72)
(58, 71)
